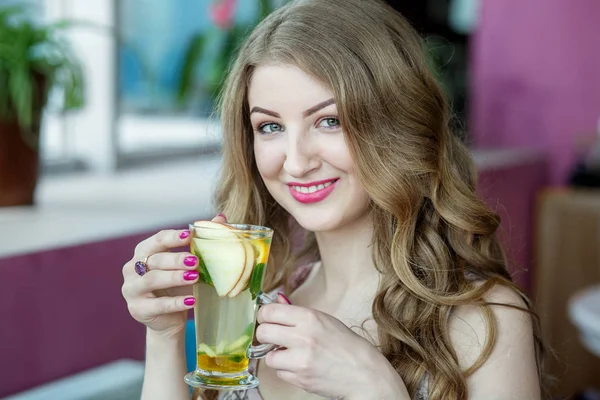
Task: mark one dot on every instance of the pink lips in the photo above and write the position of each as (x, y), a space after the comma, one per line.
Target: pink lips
(313, 197)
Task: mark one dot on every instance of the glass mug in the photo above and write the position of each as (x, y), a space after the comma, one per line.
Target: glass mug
(232, 260)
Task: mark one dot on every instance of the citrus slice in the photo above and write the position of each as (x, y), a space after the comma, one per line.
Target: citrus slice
(261, 249)
(223, 252)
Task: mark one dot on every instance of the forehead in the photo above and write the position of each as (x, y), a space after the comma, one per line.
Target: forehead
(282, 86)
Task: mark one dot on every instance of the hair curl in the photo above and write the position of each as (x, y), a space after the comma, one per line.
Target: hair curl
(431, 229)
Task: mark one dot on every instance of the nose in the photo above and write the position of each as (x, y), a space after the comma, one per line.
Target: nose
(301, 154)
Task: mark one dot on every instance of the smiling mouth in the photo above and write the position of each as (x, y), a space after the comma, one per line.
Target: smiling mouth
(312, 192)
(313, 188)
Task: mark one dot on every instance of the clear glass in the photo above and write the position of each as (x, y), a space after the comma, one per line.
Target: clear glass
(232, 262)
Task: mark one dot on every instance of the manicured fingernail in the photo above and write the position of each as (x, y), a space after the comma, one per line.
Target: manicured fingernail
(222, 216)
(285, 298)
(190, 261)
(184, 234)
(189, 301)
(190, 275)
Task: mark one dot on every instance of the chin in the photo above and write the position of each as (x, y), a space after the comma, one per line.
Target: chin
(323, 218)
(327, 216)
(313, 223)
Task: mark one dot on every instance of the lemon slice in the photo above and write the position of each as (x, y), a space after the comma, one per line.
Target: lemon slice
(262, 250)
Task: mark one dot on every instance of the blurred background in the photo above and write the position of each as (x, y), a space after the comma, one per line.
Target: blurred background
(107, 134)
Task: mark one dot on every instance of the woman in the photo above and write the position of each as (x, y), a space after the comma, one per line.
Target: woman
(331, 117)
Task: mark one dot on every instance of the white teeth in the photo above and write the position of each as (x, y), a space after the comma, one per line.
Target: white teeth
(311, 189)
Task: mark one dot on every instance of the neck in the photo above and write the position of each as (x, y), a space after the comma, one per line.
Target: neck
(347, 265)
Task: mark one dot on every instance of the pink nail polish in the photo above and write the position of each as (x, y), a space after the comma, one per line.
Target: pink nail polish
(184, 234)
(222, 216)
(285, 298)
(190, 261)
(189, 301)
(190, 275)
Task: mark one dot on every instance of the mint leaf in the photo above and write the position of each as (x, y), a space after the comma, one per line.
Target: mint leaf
(256, 279)
(236, 359)
(203, 272)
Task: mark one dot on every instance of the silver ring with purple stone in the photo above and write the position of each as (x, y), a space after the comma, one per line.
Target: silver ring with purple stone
(141, 267)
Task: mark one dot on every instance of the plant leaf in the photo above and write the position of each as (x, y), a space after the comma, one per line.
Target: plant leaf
(21, 91)
(11, 11)
(265, 9)
(191, 60)
(28, 50)
(234, 38)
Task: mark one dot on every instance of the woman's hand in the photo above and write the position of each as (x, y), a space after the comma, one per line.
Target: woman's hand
(323, 356)
(161, 297)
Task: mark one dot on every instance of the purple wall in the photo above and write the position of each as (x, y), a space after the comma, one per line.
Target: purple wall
(511, 192)
(62, 312)
(536, 76)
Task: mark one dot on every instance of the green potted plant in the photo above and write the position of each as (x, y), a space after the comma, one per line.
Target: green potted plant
(33, 61)
(226, 35)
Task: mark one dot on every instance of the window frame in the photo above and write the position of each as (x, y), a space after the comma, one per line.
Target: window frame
(111, 139)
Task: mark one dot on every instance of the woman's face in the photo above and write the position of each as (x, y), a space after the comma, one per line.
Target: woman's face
(300, 149)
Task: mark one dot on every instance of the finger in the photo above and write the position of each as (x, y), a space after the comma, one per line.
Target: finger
(167, 239)
(162, 261)
(159, 280)
(286, 360)
(144, 310)
(162, 241)
(280, 335)
(282, 314)
(282, 299)
(171, 261)
(220, 218)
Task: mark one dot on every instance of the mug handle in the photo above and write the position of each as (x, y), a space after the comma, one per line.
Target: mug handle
(261, 350)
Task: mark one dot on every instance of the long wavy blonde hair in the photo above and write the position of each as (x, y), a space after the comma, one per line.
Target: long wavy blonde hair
(431, 229)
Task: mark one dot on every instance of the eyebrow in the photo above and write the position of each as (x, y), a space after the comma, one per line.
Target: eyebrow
(305, 114)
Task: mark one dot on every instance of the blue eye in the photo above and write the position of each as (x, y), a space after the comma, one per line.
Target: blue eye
(329, 123)
(269, 128)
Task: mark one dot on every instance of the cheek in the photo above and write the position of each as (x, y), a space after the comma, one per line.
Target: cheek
(338, 155)
(268, 160)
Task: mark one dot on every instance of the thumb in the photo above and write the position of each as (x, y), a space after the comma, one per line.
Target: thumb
(220, 218)
(282, 299)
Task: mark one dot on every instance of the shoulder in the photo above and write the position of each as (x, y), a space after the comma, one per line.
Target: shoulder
(468, 326)
(511, 367)
(504, 300)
